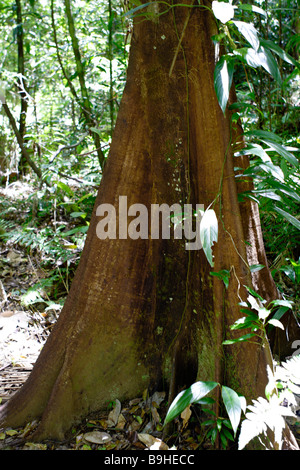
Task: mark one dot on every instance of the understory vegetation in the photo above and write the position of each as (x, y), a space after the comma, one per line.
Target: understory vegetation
(63, 71)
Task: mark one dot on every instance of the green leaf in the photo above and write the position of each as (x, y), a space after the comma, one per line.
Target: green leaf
(290, 218)
(209, 233)
(296, 267)
(261, 58)
(280, 52)
(255, 294)
(282, 303)
(185, 398)
(78, 214)
(64, 187)
(233, 406)
(134, 10)
(256, 267)
(223, 11)
(82, 229)
(276, 323)
(223, 274)
(281, 150)
(255, 149)
(272, 169)
(249, 32)
(264, 135)
(252, 8)
(269, 63)
(243, 323)
(223, 75)
(238, 340)
(283, 188)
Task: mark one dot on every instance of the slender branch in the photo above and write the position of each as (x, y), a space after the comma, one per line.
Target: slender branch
(68, 147)
(24, 151)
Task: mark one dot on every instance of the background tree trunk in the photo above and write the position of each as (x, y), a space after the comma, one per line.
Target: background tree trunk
(85, 100)
(143, 313)
(22, 87)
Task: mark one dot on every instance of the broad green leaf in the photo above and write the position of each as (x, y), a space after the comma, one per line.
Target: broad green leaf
(233, 406)
(268, 193)
(185, 398)
(283, 188)
(238, 340)
(223, 274)
(249, 32)
(282, 303)
(64, 187)
(223, 75)
(261, 58)
(276, 323)
(264, 135)
(82, 229)
(296, 267)
(252, 292)
(255, 149)
(279, 313)
(274, 170)
(256, 267)
(209, 233)
(252, 8)
(280, 52)
(269, 63)
(223, 11)
(242, 323)
(290, 218)
(283, 152)
(78, 214)
(96, 130)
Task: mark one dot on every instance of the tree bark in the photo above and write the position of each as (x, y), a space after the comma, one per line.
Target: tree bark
(146, 312)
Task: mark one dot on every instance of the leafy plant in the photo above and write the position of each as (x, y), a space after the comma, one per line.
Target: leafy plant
(256, 52)
(258, 317)
(268, 414)
(234, 404)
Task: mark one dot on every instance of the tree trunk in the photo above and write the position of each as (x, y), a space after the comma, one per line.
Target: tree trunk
(85, 101)
(22, 87)
(146, 312)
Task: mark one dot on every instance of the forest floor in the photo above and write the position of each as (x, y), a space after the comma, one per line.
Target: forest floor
(136, 425)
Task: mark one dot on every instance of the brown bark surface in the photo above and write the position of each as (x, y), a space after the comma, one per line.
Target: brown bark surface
(145, 312)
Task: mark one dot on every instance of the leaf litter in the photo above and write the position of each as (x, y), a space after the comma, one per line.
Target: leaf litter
(130, 426)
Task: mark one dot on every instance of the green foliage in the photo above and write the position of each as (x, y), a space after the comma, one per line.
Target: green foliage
(256, 52)
(197, 394)
(257, 317)
(264, 72)
(269, 414)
